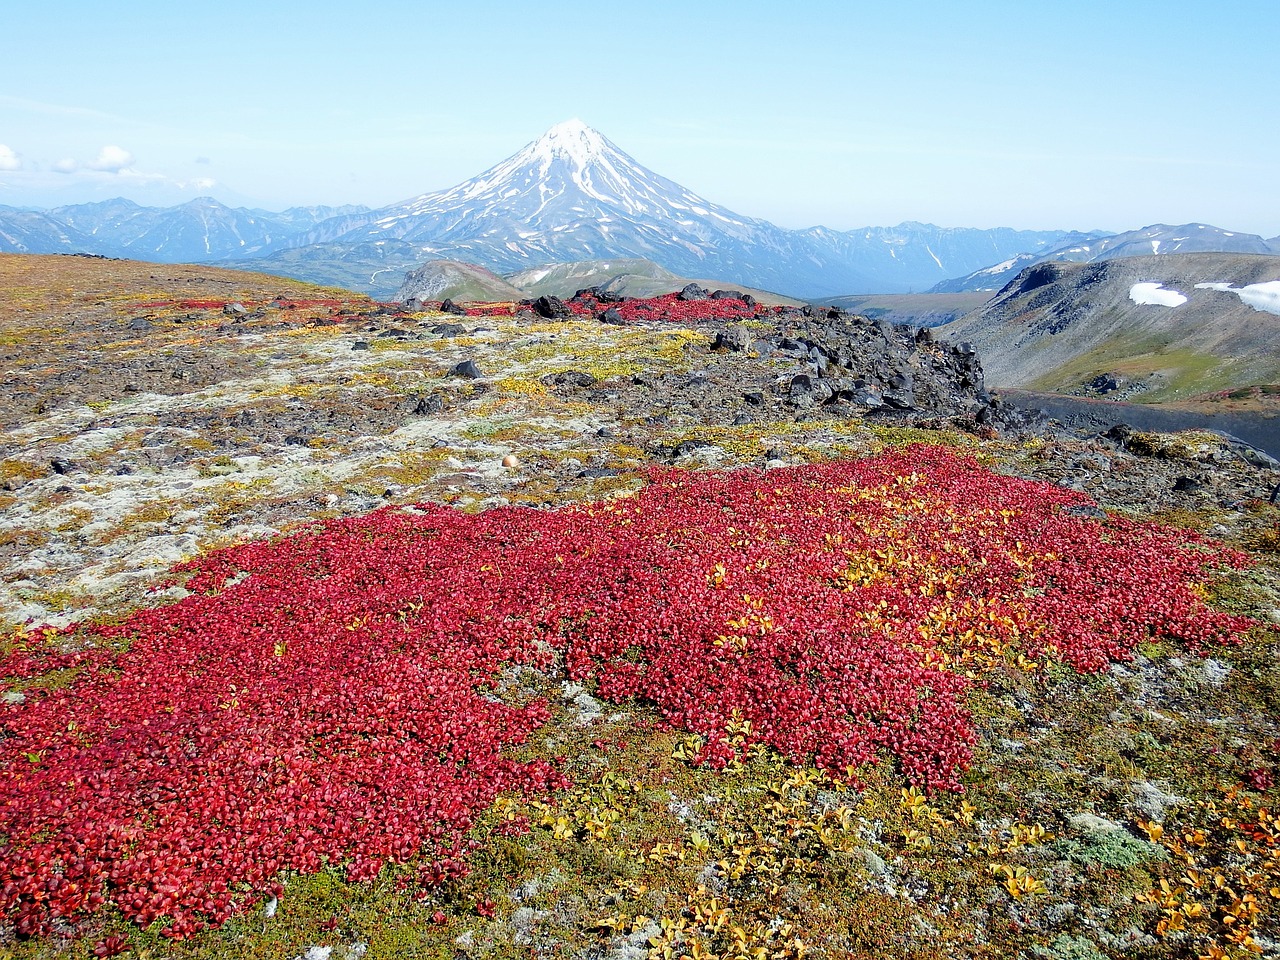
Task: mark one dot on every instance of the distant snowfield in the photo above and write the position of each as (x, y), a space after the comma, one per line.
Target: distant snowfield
(1260, 296)
(1153, 294)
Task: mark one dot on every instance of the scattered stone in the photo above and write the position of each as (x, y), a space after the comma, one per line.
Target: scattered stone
(735, 338)
(448, 306)
(551, 308)
(612, 317)
(727, 295)
(1151, 801)
(61, 465)
(428, 405)
(1091, 823)
(687, 447)
(237, 310)
(466, 369)
(1186, 485)
(807, 390)
(1215, 672)
(1104, 383)
(570, 378)
(868, 397)
(598, 473)
(693, 292)
(360, 345)
(589, 708)
(874, 862)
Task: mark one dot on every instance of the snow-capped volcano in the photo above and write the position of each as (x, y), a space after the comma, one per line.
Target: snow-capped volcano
(569, 195)
(573, 195)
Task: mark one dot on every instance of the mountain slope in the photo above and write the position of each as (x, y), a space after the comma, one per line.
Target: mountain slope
(1156, 240)
(200, 230)
(32, 231)
(624, 278)
(1152, 328)
(449, 279)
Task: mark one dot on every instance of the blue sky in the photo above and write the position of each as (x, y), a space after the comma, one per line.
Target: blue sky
(1032, 114)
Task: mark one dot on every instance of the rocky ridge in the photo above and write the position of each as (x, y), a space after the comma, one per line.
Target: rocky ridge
(1163, 328)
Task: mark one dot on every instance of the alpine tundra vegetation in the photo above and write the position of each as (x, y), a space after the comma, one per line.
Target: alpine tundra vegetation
(687, 626)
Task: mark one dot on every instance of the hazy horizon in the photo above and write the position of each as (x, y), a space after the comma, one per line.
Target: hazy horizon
(1082, 116)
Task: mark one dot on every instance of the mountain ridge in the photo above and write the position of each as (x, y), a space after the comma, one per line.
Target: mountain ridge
(1148, 328)
(571, 195)
(1158, 239)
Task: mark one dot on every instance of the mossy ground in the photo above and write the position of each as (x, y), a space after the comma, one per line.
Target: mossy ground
(647, 849)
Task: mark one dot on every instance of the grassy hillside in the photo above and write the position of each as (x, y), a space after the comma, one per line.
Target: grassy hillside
(1060, 327)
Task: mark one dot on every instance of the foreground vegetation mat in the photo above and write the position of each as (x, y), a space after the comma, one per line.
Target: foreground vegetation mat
(890, 698)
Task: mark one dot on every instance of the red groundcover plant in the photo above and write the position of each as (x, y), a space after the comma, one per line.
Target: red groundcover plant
(328, 698)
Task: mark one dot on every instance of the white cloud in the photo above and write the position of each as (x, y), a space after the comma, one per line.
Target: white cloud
(65, 166)
(8, 159)
(112, 159)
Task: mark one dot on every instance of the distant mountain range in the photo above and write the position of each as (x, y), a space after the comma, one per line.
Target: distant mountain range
(569, 196)
(200, 231)
(1157, 240)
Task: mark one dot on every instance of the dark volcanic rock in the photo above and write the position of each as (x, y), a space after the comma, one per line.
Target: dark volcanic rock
(450, 307)
(693, 292)
(467, 369)
(429, 405)
(551, 308)
(736, 337)
(578, 379)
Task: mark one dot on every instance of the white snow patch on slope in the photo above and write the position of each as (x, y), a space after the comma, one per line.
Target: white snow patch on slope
(1153, 294)
(1260, 296)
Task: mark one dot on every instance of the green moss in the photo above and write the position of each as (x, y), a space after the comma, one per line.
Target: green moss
(1067, 947)
(1111, 850)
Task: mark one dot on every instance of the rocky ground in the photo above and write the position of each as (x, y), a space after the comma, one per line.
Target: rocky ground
(151, 413)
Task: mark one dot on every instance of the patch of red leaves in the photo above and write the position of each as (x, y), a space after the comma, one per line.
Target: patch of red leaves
(326, 699)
